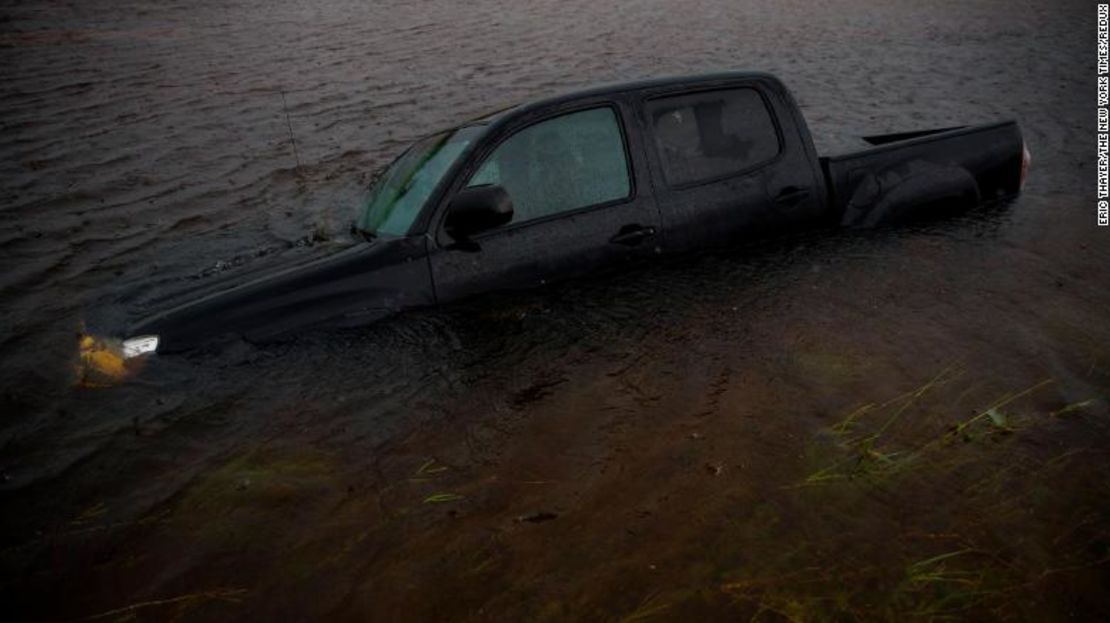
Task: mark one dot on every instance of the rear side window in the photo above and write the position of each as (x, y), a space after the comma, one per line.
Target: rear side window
(711, 134)
(561, 164)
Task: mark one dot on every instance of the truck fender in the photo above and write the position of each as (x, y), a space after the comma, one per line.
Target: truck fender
(911, 191)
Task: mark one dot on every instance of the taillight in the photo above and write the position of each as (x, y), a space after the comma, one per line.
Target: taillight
(1025, 160)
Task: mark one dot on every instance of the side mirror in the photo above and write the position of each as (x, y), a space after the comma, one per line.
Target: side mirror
(477, 209)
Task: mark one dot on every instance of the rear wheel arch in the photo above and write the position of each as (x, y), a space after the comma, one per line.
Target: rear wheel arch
(911, 191)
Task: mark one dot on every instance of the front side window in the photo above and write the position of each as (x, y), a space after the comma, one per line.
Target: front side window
(702, 136)
(561, 164)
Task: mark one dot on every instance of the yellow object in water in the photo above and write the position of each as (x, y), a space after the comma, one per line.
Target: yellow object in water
(100, 365)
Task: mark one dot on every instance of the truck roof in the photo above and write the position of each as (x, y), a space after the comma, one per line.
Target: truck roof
(621, 87)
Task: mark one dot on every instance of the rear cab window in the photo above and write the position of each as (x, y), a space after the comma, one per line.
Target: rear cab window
(708, 135)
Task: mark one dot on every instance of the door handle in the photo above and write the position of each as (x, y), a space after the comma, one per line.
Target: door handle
(791, 195)
(632, 235)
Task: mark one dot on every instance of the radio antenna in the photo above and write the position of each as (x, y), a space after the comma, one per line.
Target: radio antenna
(289, 125)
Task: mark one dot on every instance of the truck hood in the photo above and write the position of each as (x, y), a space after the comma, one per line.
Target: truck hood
(354, 286)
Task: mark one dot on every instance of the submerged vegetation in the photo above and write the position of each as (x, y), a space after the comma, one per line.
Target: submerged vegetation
(991, 512)
(870, 447)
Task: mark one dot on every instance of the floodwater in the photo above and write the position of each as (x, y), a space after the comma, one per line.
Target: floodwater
(894, 425)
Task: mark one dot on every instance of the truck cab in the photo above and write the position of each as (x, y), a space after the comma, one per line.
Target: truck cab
(610, 176)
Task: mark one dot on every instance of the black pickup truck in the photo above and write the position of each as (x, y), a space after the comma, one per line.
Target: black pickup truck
(596, 178)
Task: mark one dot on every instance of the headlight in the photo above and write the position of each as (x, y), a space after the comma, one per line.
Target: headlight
(135, 346)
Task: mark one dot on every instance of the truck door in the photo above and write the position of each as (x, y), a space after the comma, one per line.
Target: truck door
(576, 201)
(725, 166)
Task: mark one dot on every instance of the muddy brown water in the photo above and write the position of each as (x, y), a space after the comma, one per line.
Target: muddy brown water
(896, 425)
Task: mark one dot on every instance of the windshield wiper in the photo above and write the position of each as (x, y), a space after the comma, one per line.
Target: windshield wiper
(368, 236)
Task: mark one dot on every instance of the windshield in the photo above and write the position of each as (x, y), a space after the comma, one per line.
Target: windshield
(400, 193)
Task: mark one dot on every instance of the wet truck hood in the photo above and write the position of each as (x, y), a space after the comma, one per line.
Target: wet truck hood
(356, 285)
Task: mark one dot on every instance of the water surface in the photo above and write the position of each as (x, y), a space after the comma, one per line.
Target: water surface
(893, 425)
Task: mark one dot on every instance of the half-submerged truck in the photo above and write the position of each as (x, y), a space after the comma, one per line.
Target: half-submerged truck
(571, 184)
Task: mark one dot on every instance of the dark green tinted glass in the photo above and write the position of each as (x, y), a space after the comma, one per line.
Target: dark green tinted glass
(566, 163)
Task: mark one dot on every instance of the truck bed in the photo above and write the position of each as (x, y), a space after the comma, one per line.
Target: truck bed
(942, 160)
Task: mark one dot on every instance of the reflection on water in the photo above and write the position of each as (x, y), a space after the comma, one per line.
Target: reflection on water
(903, 424)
